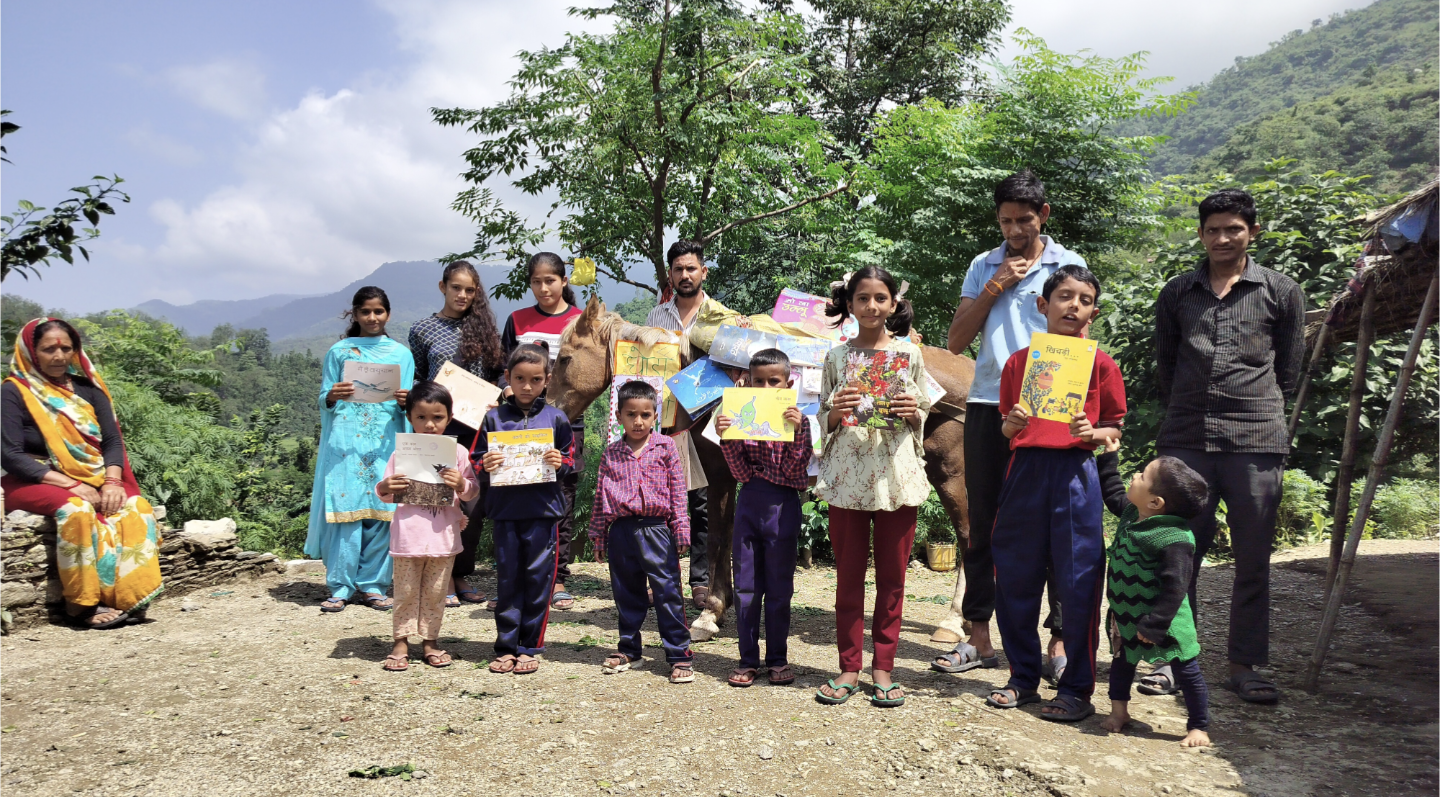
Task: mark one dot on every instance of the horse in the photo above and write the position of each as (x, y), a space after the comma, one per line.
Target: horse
(583, 370)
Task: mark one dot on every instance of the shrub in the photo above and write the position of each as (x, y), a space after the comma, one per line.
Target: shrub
(1295, 519)
(1407, 508)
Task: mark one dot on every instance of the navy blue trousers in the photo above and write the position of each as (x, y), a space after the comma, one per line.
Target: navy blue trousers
(1050, 517)
(767, 529)
(1187, 677)
(642, 552)
(525, 565)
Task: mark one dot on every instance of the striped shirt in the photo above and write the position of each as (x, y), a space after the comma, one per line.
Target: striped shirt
(667, 316)
(1224, 366)
(650, 484)
(782, 464)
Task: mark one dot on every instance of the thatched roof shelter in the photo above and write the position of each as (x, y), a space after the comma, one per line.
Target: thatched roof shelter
(1399, 262)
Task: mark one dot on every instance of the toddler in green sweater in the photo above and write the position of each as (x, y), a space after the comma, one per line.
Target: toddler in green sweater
(1151, 562)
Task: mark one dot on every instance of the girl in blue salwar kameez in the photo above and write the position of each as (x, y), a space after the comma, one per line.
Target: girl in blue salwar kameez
(349, 524)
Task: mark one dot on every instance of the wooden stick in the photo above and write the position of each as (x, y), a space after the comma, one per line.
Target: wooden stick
(1377, 471)
(1321, 338)
(1344, 482)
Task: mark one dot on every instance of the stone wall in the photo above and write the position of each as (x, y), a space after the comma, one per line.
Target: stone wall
(204, 553)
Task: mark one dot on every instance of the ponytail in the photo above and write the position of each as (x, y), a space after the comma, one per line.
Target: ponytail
(840, 295)
(556, 266)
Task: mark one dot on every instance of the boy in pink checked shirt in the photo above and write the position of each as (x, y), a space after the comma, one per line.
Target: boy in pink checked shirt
(767, 528)
(640, 524)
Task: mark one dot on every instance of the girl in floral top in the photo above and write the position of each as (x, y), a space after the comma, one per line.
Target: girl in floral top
(871, 475)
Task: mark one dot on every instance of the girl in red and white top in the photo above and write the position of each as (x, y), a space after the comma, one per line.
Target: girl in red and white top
(544, 324)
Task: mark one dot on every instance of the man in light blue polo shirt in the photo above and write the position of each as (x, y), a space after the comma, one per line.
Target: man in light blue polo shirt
(997, 301)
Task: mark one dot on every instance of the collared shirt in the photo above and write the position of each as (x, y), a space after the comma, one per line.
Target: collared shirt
(779, 463)
(1014, 317)
(667, 316)
(651, 484)
(1224, 367)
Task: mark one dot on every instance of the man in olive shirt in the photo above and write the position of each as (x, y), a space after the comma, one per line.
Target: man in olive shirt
(1229, 343)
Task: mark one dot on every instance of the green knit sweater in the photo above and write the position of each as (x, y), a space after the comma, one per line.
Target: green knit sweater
(1150, 565)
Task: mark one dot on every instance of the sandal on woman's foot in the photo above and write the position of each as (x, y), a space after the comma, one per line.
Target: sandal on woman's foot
(782, 675)
(438, 658)
(503, 664)
(88, 619)
(742, 676)
(491, 604)
(1072, 709)
(562, 601)
(1252, 688)
(682, 673)
(1014, 697)
(467, 593)
(1160, 681)
(1054, 669)
(882, 699)
(963, 658)
(452, 601)
(395, 663)
(617, 663)
(526, 666)
(379, 602)
(333, 605)
(839, 696)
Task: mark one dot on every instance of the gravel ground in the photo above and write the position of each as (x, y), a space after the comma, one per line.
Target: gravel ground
(249, 690)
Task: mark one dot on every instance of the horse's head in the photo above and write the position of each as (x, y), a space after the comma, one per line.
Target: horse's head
(582, 369)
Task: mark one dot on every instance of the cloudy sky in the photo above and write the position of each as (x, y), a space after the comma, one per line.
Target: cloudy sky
(286, 147)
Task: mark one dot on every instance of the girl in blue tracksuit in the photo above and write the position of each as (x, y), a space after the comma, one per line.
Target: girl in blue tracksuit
(525, 515)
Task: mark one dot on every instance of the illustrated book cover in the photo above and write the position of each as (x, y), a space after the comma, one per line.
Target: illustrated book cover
(881, 376)
(734, 345)
(757, 413)
(374, 382)
(420, 458)
(524, 452)
(470, 395)
(1057, 375)
(806, 311)
(700, 384)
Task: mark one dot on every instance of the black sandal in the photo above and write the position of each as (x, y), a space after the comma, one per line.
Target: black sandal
(82, 620)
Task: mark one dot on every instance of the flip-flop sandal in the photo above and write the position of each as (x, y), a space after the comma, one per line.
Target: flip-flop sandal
(526, 667)
(743, 676)
(782, 675)
(452, 601)
(1074, 709)
(378, 602)
(1252, 688)
(622, 664)
(1160, 681)
(561, 597)
(849, 691)
(963, 658)
(438, 659)
(886, 701)
(477, 599)
(137, 616)
(491, 604)
(503, 665)
(682, 674)
(1021, 697)
(326, 606)
(1054, 669)
(82, 620)
(395, 664)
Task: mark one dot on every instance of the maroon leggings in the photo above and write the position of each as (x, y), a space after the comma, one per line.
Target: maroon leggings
(850, 536)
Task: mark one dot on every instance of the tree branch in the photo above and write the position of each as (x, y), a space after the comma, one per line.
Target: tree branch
(771, 214)
(659, 66)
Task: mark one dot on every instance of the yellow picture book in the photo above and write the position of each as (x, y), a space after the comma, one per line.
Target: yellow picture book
(1057, 376)
(657, 359)
(757, 413)
(524, 452)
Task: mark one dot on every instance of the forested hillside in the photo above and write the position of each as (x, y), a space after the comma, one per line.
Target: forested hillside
(1356, 93)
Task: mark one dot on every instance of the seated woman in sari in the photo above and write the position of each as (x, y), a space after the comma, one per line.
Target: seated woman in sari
(63, 456)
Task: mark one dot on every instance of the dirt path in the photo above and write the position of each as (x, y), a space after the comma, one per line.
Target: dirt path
(253, 692)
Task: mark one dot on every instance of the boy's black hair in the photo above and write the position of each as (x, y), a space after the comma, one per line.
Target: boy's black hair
(533, 353)
(685, 247)
(636, 390)
(433, 392)
(766, 357)
(1180, 487)
(1229, 200)
(1070, 272)
(1022, 186)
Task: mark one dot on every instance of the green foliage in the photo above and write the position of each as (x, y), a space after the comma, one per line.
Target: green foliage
(1407, 508)
(273, 495)
(1302, 501)
(1348, 52)
(637, 309)
(680, 118)
(255, 377)
(933, 524)
(815, 528)
(15, 312)
(152, 354)
(181, 457)
(32, 236)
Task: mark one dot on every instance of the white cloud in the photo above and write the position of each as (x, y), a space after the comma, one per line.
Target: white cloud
(342, 182)
(229, 87)
(164, 147)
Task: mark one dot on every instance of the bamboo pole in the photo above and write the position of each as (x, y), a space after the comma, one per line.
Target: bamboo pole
(1343, 483)
(1377, 470)
(1321, 338)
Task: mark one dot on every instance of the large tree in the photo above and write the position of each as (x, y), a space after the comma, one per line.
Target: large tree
(685, 119)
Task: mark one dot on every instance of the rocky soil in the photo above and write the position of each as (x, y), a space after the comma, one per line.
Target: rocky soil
(247, 689)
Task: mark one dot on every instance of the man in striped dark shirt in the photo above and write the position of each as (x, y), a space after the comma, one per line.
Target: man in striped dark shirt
(1229, 343)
